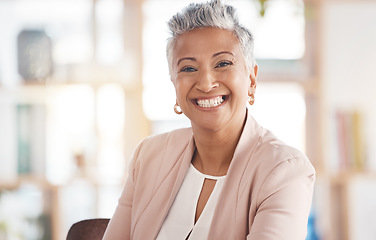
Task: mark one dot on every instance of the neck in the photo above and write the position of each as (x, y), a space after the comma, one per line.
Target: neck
(215, 149)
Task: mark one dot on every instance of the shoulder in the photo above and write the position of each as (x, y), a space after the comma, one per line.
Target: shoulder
(175, 139)
(274, 151)
(265, 150)
(282, 164)
(263, 155)
(160, 150)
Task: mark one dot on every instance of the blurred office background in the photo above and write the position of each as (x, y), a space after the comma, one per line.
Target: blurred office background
(83, 81)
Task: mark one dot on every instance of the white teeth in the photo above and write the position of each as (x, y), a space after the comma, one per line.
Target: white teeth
(206, 103)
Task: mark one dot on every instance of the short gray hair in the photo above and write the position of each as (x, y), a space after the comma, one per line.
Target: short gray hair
(210, 14)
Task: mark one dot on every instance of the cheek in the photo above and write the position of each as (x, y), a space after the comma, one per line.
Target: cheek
(181, 88)
(238, 83)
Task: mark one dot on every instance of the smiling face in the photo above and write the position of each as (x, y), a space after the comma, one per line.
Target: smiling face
(211, 79)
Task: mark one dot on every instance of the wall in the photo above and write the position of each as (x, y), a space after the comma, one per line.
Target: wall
(348, 64)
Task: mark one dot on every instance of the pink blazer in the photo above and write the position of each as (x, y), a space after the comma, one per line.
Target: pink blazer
(266, 195)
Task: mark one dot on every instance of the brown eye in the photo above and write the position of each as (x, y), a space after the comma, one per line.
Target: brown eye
(223, 64)
(188, 69)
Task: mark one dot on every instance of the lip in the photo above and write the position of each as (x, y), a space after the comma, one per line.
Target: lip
(209, 103)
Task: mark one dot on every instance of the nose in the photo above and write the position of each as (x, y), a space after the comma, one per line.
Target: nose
(206, 81)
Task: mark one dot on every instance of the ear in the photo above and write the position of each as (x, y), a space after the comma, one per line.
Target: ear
(253, 82)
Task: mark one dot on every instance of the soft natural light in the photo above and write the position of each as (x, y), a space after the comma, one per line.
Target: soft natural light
(281, 108)
(71, 35)
(19, 208)
(77, 202)
(279, 34)
(109, 34)
(110, 122)
(159, 95)
(110, 110)
(70, 125)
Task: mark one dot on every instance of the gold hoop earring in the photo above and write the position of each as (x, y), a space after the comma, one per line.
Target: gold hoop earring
(251, 99)
(177, 109)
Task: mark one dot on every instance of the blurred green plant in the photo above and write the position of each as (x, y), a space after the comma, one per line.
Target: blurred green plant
(3, 228)
(3, 225)
(263, 5)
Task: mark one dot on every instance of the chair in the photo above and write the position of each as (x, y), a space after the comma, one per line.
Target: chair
(90, 229)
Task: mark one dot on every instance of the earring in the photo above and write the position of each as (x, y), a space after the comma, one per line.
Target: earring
(177, 109)
(251, 99)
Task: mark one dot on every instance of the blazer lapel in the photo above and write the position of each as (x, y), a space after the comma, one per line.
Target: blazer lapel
(157, 209)
(226, 208)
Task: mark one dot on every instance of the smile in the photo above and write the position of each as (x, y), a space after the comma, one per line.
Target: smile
(211, 102)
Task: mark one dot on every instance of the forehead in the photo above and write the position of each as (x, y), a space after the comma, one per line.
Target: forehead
(205, 42)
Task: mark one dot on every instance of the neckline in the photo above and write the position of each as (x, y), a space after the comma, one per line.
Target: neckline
(207, 176)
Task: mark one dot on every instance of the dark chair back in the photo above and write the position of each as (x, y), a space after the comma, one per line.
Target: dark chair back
(90, 229)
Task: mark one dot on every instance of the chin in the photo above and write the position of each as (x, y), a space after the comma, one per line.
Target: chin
(210, 126)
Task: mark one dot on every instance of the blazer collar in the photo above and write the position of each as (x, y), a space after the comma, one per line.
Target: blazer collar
(184, 163)
(233, 185)
(247, 142)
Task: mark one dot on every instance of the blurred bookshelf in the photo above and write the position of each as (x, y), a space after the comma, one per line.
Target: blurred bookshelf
(70, 112)
(347, 173)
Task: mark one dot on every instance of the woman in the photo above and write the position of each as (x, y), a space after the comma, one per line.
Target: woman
(226, 177)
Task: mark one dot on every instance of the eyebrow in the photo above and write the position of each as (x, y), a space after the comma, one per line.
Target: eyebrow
(185, 58)
(214, 55)
(223, 52)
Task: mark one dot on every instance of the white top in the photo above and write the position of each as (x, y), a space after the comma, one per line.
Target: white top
(180, 219)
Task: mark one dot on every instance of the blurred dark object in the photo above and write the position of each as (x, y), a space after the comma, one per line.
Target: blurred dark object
(34, 55)
(90, 229)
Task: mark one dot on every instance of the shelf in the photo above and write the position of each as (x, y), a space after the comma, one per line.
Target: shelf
(346, 176)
